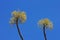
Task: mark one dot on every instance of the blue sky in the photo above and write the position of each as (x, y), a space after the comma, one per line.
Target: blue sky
(35, 10)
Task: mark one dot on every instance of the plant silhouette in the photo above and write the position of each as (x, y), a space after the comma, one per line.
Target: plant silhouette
(17, 17)
(45, 23)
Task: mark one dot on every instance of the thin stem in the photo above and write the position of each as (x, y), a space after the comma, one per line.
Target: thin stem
(18, 29)
(44, 33)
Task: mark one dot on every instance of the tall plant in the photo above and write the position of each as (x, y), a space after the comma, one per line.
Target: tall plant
(18, 17)
(45, 23)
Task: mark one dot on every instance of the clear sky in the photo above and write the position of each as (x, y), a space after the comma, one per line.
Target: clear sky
(35, 10)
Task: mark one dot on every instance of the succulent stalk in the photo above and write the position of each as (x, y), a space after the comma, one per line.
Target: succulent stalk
(44, 33)
(18, 29)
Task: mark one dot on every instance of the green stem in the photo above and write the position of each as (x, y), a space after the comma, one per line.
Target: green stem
(18, 29)
(44, 33)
